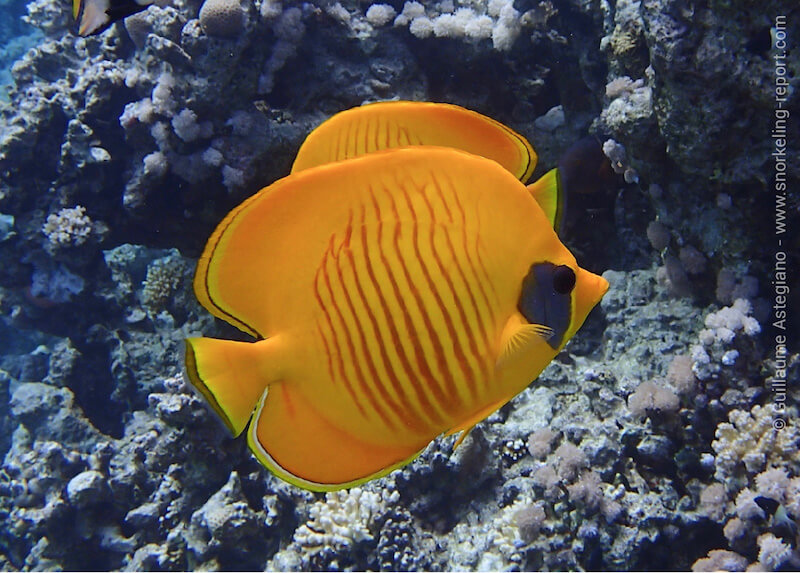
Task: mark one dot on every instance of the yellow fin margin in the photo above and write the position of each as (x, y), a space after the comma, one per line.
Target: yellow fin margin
(203, 276)
(263, 456)
(520, 339)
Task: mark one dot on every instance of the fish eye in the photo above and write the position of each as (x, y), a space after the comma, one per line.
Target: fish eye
(563, 279)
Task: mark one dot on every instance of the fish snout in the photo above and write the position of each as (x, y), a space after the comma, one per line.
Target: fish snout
(589, 290)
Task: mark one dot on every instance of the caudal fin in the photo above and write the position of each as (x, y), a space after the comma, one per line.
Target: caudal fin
(231, 375)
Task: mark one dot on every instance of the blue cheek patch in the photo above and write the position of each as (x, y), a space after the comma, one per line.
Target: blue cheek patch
(547, 298)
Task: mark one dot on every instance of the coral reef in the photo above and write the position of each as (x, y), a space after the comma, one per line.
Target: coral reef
(654, 440)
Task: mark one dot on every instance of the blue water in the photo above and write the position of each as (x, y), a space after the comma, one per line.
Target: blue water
(16, 37)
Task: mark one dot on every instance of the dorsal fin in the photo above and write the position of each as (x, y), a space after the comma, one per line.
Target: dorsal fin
(549, 193)
(386, 125)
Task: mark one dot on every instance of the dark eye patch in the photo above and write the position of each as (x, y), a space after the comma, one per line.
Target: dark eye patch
(563, 279)
(546, 298)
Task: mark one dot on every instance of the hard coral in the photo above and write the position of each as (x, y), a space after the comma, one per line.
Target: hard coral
(571, 460)
(793, 497)
(343, 519)
(163, 279)
(772, 483)
(68, 227)
(735, 529)
(529, 518)
(222, 18)
(746, 506)
(749, 442)
(540, 442)
(497, 19)
(681, 375)
(713, 500)
(380, 14)
(721, 560)
(772, 551)
(586, 491)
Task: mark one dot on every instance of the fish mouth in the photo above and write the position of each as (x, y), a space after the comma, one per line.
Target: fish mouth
(589, 291)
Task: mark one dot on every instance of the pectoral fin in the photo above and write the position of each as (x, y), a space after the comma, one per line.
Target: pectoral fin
(519, 337)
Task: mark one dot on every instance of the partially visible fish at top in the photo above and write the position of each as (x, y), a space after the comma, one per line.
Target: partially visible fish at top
(95, 16)
(400, 287)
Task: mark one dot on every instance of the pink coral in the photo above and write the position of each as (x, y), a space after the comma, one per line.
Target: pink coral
(650, 397)
(586, 491)
(713, 500)
(571, 460)
(681, 375)
(540, 442)
(721, 560)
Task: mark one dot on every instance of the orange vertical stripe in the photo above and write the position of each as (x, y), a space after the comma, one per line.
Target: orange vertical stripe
(441, 360)
(419, 354)
(411, 376)
(480, 325)
(405, 412)
(466, 371)
(345, 332)
(338, 350)
(473, 266)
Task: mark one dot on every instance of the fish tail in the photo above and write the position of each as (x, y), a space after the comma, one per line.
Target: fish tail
(231, 375)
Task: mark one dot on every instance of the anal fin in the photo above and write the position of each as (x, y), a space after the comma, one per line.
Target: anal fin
(297, 441)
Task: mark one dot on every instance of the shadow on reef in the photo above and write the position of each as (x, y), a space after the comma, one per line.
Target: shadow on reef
(671, 547)
(438, 495)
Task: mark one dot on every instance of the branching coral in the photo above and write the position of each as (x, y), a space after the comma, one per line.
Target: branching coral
(748, 442)
(497, 19)
(69, 227)
(163, 279)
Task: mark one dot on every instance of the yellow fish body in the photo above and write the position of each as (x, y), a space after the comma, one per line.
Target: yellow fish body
(397, 296)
